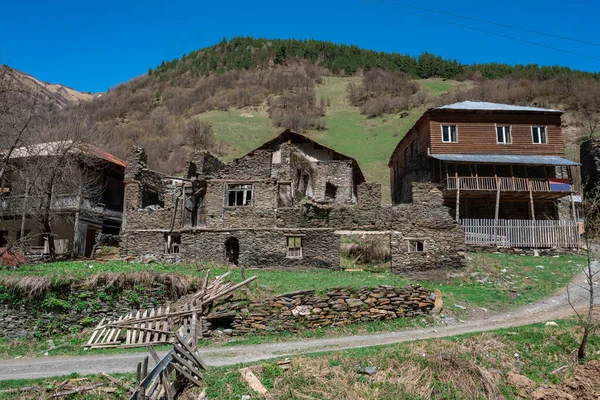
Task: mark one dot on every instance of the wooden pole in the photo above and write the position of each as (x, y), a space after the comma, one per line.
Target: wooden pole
(457, 195)
(531, 200)
(24, 217)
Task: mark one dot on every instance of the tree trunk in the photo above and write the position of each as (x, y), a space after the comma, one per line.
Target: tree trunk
(583, 344)
(47, 234)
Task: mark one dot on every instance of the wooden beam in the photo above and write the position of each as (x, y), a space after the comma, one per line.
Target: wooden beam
(457, 196)
(531, 201)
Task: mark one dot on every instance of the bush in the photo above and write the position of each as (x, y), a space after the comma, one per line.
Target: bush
(11, 259)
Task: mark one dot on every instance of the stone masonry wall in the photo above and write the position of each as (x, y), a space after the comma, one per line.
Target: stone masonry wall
(257, 247)
(76, 308)
(339, 306)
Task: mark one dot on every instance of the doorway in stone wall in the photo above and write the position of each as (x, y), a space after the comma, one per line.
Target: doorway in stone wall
(232, 250)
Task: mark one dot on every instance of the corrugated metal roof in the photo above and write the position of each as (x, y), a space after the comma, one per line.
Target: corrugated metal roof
(504, 159)
(485, 106)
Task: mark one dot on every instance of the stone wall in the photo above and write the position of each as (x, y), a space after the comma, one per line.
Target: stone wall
(73, 308)
(305, 309)
(287, 312)
(257, 247)
(255, 165)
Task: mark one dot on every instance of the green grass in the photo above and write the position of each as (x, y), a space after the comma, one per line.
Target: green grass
(483, 283)
(492, 281)
(445, 365)
(371, 141)
(449, 368)
(495, 281)
(437, 86)
(241, 130)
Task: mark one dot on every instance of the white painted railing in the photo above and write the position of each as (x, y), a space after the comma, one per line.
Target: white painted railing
(521, 233)
(513, 184)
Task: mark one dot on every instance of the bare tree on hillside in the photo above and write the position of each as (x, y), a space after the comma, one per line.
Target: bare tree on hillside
(17, 106)
(587, 319)
(199, 133)
(59, 171)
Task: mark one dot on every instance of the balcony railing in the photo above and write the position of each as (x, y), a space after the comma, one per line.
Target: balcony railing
(507, 184)
(18, 204)
(521, 233)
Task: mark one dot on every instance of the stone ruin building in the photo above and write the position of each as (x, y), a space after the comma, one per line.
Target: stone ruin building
(284, 204)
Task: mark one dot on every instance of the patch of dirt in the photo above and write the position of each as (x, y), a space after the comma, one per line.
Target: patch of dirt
(584, 385)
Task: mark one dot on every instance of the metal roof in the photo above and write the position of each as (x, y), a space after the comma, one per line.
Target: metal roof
(504, 159)
(485, 106)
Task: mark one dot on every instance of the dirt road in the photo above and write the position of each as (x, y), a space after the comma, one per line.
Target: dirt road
(554, 307)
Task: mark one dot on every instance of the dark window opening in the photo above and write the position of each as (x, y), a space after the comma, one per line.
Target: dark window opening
(330, 191)
(416, 246)
(3, 238)
(150, 198)
(172, 243)
(232, 250)
(239, 195)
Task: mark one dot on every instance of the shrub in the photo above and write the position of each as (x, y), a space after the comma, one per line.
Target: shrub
(11, 259)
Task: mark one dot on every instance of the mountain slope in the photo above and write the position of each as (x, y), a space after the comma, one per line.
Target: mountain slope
(49, 93)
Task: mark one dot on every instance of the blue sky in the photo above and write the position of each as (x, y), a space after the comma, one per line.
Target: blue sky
(92, 46)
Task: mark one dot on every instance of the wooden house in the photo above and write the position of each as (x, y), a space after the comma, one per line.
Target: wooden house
(501, 169)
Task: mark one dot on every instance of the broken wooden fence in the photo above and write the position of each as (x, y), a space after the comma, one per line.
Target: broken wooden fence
(183, 360)
(157, 326)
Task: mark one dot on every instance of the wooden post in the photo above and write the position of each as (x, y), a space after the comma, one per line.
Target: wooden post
(457, 195)
(531, 200)
(476, 177)
(24, 217)
(77, 239)
(573, 212)
(512, 173)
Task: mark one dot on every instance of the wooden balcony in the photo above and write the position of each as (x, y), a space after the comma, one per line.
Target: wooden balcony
(521, 233)
(505, 184)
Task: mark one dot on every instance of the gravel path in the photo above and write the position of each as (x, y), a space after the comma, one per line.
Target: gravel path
(555, 307)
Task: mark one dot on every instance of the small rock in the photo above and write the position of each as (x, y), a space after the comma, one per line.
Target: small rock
(245, 397)
(539, 266)
(365, 370)
(551, 323)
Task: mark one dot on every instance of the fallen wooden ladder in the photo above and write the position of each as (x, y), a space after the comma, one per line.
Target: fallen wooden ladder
(157, 326)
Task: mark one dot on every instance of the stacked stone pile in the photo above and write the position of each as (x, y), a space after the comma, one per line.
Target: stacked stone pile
(305, 309)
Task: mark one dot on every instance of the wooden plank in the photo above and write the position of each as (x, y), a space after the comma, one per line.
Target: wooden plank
(192, 352)
(185, 373)
(186, 363)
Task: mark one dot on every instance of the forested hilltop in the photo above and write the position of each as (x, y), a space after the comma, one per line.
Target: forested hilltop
(233, 96)
(244, 53)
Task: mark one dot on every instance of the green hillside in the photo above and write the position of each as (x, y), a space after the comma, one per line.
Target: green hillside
(369, 140)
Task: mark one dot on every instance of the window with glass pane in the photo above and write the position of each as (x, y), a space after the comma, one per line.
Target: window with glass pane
(294, 247)
(503, 135)
(239, 195)
(539, 134)
(449, 133)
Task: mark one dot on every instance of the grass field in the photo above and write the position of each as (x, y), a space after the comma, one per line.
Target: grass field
(240, 130)
(461, 367)
(491, 281)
